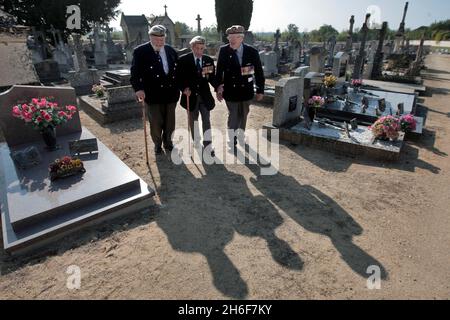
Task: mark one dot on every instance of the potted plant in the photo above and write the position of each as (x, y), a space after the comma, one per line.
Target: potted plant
(44, 115)
(99, 90)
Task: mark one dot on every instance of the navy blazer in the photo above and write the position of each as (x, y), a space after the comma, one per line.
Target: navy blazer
(147, 74)
(239, 86)
(198, 83)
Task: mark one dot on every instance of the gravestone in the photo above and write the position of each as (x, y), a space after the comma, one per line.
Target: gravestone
(317, 59)
(48, 71)
(288, 101)
(359, 63)
(61, 53)
(301, 72)
(82, 79)
(270, 64)
(340, 64)
(378, 59)
(99, 53)
(36, 210)
(349, 42)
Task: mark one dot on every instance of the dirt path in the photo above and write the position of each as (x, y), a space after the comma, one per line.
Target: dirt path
(218, 232)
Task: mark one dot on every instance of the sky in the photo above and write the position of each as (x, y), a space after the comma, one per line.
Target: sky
(268, 15)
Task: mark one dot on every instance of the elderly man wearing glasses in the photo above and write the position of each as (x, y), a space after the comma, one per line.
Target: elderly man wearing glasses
(238, 70)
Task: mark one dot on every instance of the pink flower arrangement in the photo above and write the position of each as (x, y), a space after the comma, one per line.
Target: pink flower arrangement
(387, 127)
(357, 82)
(408, 123)
(42, 112)
(316, 101)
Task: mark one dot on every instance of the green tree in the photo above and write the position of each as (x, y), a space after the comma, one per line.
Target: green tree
(323, 33)
(291, 34)
(182, 28)
(232, 12)
(43, 14)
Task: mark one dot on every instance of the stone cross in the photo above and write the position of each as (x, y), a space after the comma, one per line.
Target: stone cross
(359, 64)
(331, 46)
(199, 26)
(349, 43)
(399, 36)
(79, 55)
(378, 61)
(53, 32)
(402, 24)
(165, 9)
(277, 39)
(414, 70)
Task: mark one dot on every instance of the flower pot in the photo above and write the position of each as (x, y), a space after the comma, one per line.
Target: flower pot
(311, 113)
(49, 136)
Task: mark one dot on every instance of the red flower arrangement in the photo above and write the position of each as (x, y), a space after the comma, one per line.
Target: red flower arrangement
(43, 112)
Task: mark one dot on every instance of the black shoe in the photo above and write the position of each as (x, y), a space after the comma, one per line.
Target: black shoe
(158, 151)
(169, 148)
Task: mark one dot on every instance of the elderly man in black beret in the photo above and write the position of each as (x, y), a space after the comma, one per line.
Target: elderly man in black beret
(196, 72)
(153, 77)
(238, 70)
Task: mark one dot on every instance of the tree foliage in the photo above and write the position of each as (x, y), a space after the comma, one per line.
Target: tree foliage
(232, 12)
(43, 14)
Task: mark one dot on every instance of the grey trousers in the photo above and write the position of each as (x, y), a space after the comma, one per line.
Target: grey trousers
(237, 119)
(200, 108)
(237, 114)
(162, 123)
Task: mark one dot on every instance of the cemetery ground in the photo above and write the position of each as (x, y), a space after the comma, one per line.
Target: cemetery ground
(309, 232)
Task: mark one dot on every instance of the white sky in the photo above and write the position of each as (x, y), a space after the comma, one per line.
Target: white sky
(268, 15)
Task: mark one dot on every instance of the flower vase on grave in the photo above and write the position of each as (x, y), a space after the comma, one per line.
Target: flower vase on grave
(49, 135)
(311, 113)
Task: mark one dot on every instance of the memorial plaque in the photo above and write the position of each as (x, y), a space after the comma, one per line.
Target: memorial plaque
(83, 146)
(26, 158)
(293, 103)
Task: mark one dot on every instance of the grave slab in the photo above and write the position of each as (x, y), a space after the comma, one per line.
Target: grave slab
(360, 143)
(35, 209)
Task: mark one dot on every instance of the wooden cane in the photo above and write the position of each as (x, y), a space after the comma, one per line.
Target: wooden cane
(144, 117)
(189, 123)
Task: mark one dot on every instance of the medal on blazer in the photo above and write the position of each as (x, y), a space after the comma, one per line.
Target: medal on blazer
(248, 71)
(207, 70)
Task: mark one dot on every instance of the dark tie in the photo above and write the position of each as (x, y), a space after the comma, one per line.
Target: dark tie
(159, 58)
(199, 66)
(236, 56)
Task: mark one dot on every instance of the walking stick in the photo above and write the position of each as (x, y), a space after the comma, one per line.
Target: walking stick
(189, 123)
(144, 117)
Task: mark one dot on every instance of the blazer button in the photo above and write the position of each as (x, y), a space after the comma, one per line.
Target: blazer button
(157, 75)
(162, 86)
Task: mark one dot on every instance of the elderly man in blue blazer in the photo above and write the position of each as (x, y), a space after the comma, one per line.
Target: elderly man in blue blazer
(239, 68)
(153, 77)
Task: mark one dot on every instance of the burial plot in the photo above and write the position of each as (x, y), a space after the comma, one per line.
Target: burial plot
(352, 107)
(343, 128)
(119, 104)
(36, 210)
